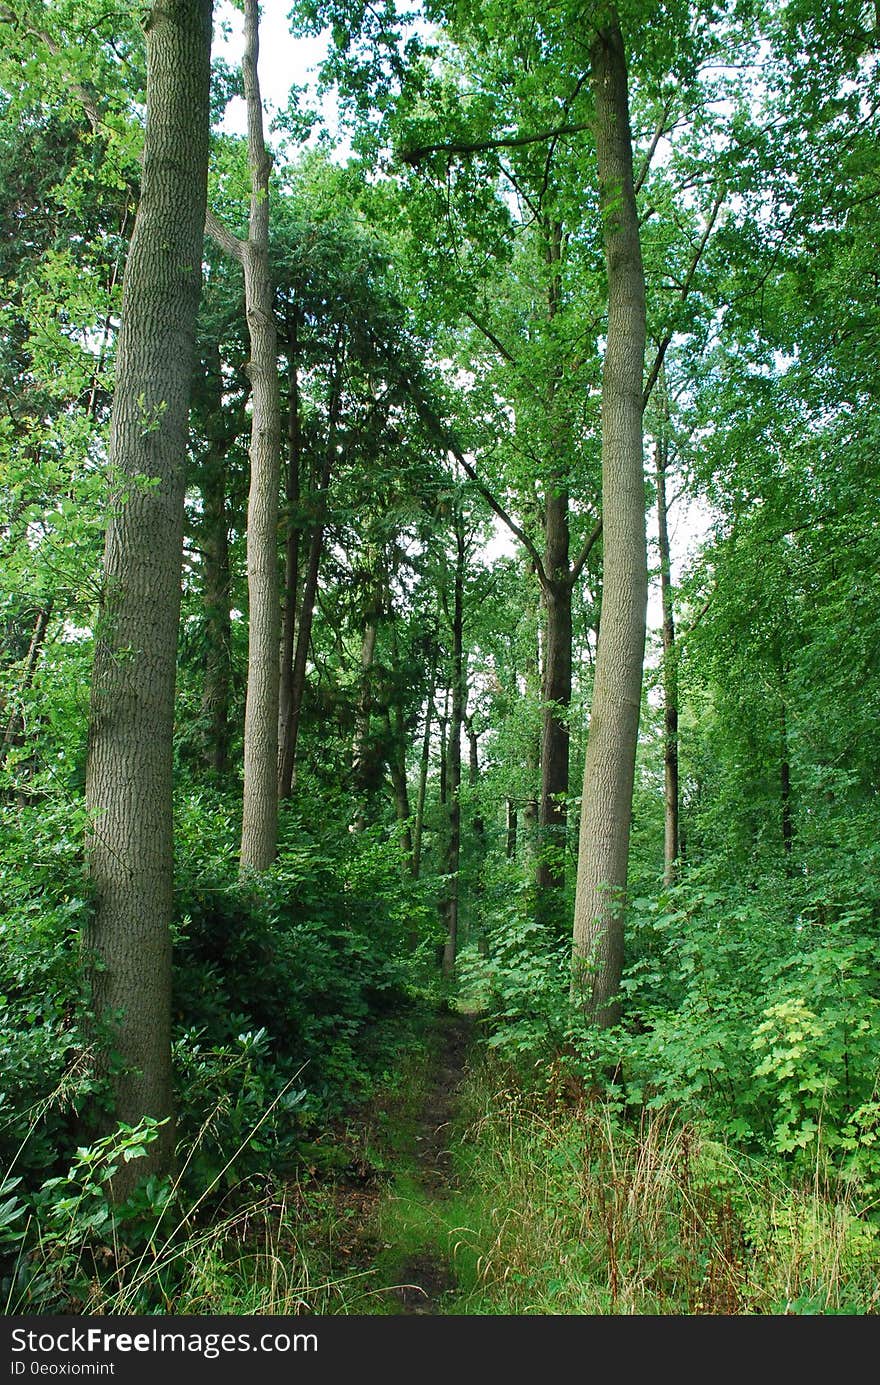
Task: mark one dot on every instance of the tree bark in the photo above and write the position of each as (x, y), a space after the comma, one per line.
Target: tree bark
(453, 765)
(670, 668)
(291, 561)
(556, 673)
(424, 763)
(216, 583)
(129, 765)
(555, 704)
(611, 745)
(309, 597)
(259, 829)
(14, 721)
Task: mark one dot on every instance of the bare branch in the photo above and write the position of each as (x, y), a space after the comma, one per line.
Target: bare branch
(685, 289)
(579, 563)
(659, 132)
(499, 510)
(415, 156)
(490, 336)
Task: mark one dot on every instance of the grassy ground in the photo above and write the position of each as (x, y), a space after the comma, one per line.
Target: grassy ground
(542, 1205)
(458, 1192)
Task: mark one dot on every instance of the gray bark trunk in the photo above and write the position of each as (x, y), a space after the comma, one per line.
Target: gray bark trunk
(216, 583)
(453, 765)
(291, 563)
(15, 721)
(611, 746)
(129, 766)
(670, 674)
(259, 829)
(424, 764)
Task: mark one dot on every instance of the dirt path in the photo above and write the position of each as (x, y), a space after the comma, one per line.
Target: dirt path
(424, 1277)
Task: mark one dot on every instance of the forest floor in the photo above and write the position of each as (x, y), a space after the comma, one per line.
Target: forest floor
(399, 1242)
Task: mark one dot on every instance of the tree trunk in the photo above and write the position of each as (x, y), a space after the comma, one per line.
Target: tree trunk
(259, 828)
(399, 783)
(14, 721)
(363, 758)
(129, 766)
(611, 745)
(453, 766)
(556, 701)
(670, 671)
(291, 564)
(309, 597)
(216, 582)
(556, 672)
(424, 762)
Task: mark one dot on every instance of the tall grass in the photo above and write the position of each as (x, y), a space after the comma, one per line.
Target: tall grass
(570, 1209)
(558, 1204)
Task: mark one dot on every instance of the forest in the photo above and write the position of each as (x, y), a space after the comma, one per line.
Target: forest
(440, 658)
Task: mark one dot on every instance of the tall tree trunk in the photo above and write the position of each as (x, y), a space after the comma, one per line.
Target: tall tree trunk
(510, 843)
(215, 577)
(215, 598)
(129, 765)
(291, 562)
(14, 720)
(556, 701)
(670, 669)
(259, 828)
(424, 763)
(785, 789)
(362, 754)
(556, 672)
(399, 783)
(611, 745)
(309, 597)
(453, 766)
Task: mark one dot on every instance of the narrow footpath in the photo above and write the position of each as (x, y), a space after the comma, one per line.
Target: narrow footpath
(403, 1246)
(424, 1277)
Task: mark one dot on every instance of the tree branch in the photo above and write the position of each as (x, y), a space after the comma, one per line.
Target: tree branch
(490, 336)
(222, 236)
(685, 289)
(658, 135)
(416, 155)
(579, 563)
(499, 510)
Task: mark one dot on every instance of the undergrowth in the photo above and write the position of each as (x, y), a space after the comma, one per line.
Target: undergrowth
(564, 1206)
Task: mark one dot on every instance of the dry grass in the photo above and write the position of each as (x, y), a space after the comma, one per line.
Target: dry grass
(579, 1212)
